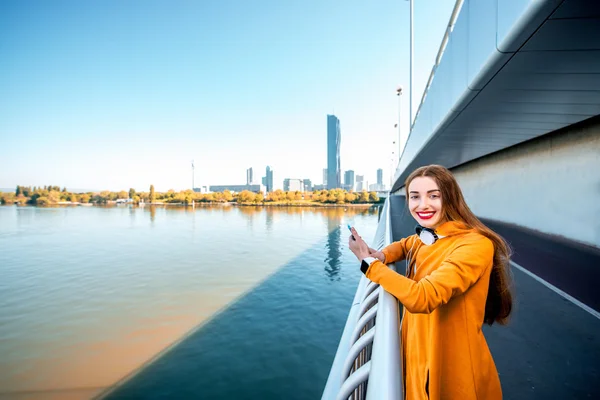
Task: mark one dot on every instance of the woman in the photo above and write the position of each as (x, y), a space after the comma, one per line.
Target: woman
(457, 278)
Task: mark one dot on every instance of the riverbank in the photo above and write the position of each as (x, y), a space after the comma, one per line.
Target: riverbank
(207, 204)
(299, 203)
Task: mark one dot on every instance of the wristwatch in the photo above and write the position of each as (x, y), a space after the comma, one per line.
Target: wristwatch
(366, 263)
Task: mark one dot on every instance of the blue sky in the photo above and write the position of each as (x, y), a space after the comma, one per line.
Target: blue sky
(119, 94)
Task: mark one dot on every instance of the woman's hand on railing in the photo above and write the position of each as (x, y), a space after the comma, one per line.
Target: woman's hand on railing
(377, 254)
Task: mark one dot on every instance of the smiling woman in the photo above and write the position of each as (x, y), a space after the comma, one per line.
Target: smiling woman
(456, 280)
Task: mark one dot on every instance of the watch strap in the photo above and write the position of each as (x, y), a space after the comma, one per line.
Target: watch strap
(366, 263)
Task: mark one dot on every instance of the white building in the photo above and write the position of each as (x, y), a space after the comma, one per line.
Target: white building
(238, 188)
(359, 185)
(293, 185)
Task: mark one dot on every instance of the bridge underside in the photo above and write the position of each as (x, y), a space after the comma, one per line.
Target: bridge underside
(538, 82)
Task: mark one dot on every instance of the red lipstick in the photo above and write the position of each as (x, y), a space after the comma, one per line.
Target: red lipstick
(426, 215)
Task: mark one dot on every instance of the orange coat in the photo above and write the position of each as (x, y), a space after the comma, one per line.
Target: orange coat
(444, 352)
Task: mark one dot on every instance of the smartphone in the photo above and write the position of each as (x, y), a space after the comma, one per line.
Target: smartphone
(350, 229)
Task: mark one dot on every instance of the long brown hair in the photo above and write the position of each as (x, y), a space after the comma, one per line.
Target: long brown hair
(454, 208)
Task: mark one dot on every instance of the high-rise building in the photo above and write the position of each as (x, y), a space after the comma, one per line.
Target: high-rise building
(267, 180)
(293, 185)
(308, 187)
(249, 176)
(333, 152)
(360, 183)
(349, 180)
(380, 176)
(325, 177)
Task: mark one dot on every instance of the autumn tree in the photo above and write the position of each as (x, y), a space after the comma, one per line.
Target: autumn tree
(350, 197)
(246, 196)
(227, 196)
(54, 196)
(363, 197)
(324, 196)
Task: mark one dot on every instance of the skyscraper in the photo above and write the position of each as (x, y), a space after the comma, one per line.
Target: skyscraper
(268, 180)
(308, 185)
(249, 176)
(333, 152)
(380, 176)
(325, 177)
(349, 180)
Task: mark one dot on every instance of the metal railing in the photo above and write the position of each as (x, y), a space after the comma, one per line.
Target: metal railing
(367, 362)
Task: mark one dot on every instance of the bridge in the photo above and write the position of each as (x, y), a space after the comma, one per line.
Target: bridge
(512, 107)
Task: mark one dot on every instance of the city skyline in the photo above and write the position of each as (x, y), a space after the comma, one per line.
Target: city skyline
(351, 182)
(102, 96)
(267, 181)
(332, 175)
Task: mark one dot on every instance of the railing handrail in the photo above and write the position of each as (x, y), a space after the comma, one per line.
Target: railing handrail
(383, 370)
(385, 378)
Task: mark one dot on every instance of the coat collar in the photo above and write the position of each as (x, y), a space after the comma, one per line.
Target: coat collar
(452, 228)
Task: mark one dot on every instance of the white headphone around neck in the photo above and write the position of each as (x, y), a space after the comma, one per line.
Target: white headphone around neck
(427, 235)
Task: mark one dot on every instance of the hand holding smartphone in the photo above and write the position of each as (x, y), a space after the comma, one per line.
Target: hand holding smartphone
(350, 229)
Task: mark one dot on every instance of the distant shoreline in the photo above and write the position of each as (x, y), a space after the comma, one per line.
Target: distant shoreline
(353, 205)
(205, 204)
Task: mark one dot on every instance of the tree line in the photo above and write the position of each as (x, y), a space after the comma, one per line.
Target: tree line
(47, 195)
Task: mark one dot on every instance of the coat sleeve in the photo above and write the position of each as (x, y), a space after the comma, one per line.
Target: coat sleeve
(397, 251)
(461, 269)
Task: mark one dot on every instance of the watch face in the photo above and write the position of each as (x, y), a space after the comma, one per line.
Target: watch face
(427, 237)
(364, 266)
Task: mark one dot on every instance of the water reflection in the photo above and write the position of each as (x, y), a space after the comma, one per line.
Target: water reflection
(269, 219)
(25, 215)
(152, 214)
(226, 208)
(334, 253)
(250, 212)
(335, 219)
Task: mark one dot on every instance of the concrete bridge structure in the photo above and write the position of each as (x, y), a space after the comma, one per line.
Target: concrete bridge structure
(512, 107)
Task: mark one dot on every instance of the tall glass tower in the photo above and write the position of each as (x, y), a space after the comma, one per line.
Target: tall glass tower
(249, 177)
(333, 152)
(349, 180)
(268, 180)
